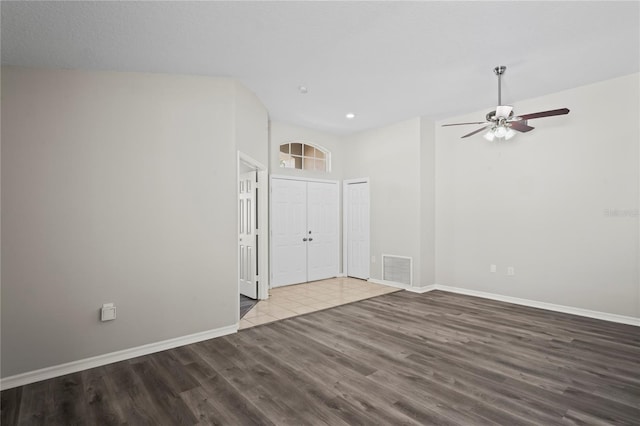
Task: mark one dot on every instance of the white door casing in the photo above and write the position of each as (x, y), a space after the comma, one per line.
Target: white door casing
(261, 224)
(357, 229)
(247, 235)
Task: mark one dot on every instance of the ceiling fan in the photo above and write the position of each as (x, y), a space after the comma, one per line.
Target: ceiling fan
(501, 123)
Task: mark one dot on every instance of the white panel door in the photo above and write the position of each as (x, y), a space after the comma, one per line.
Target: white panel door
(322, 230)
(247, 235)
(288, 232)
(357, 231)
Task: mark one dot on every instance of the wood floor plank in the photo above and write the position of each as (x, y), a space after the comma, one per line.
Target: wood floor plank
(101, 405)
(231, 405)
(251, 379)
(356, 388)
(400, 358)
(199, 402)
(173, 372)
(131, 399)
(183, 354)
(313, 392)
(165, 399)
(375, 385)
(10, 402)
(36, 404)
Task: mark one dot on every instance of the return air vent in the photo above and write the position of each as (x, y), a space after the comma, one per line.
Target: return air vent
(397, 269)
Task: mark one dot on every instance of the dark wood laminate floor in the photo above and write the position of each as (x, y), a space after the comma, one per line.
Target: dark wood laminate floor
(402, 358)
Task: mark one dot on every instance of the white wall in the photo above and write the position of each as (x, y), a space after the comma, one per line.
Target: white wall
(539, 203)
(390, 157)
(116, 187)
(251, 125)
(427, 202)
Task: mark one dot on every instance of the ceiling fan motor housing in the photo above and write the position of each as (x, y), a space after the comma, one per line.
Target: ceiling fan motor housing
(491, 116)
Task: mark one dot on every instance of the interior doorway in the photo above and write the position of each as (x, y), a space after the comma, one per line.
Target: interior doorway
(253, 238)
(248, 233)
(356, 228)
(305, 230)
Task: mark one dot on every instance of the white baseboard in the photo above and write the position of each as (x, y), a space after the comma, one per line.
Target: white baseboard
(97, 361)
(422, 289)
(543, 305)
(388, 283)
(518, 301)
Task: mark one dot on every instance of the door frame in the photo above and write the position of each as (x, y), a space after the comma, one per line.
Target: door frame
(303, 179)
(262, 201)
(345, 216)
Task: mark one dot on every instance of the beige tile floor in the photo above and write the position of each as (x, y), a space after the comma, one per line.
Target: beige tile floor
(289, 301)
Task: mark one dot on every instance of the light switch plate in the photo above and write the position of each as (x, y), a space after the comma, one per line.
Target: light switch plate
(108, 312)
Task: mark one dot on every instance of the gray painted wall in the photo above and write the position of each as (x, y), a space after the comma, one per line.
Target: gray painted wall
(427, 202)
(251, 125)
(545, 203)
(390, 157)
(116, 187)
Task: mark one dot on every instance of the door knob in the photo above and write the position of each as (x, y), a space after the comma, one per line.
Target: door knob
(310, 239)
(304, 239)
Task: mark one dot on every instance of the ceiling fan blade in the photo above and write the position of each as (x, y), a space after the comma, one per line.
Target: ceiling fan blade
(503, 111)
(541, 114)
(520, 126)
(476, 131)
(463, 124)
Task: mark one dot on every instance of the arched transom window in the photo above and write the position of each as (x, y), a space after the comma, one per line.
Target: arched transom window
(304, 156)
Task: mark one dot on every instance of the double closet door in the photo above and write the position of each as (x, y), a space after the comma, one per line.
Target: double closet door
(304, 231)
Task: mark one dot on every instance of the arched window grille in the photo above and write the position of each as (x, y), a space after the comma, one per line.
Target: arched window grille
(304, 156)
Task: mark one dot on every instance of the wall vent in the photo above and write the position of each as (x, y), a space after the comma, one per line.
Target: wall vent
(397, 269)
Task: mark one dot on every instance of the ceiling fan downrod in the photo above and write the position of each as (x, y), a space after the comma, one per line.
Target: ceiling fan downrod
(499, 70)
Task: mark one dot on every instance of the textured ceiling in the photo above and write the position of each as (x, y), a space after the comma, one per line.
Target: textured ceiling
(384, 61)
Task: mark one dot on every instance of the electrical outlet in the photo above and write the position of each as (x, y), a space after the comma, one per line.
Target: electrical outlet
(493, 268)
(511, 271)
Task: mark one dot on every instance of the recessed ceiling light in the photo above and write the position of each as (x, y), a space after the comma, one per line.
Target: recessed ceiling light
(303, 90)
(350, 116)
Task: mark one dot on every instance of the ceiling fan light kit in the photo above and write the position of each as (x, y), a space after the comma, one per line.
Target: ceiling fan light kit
(501, 123)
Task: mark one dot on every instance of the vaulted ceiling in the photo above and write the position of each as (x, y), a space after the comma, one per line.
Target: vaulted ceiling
(384, 61)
